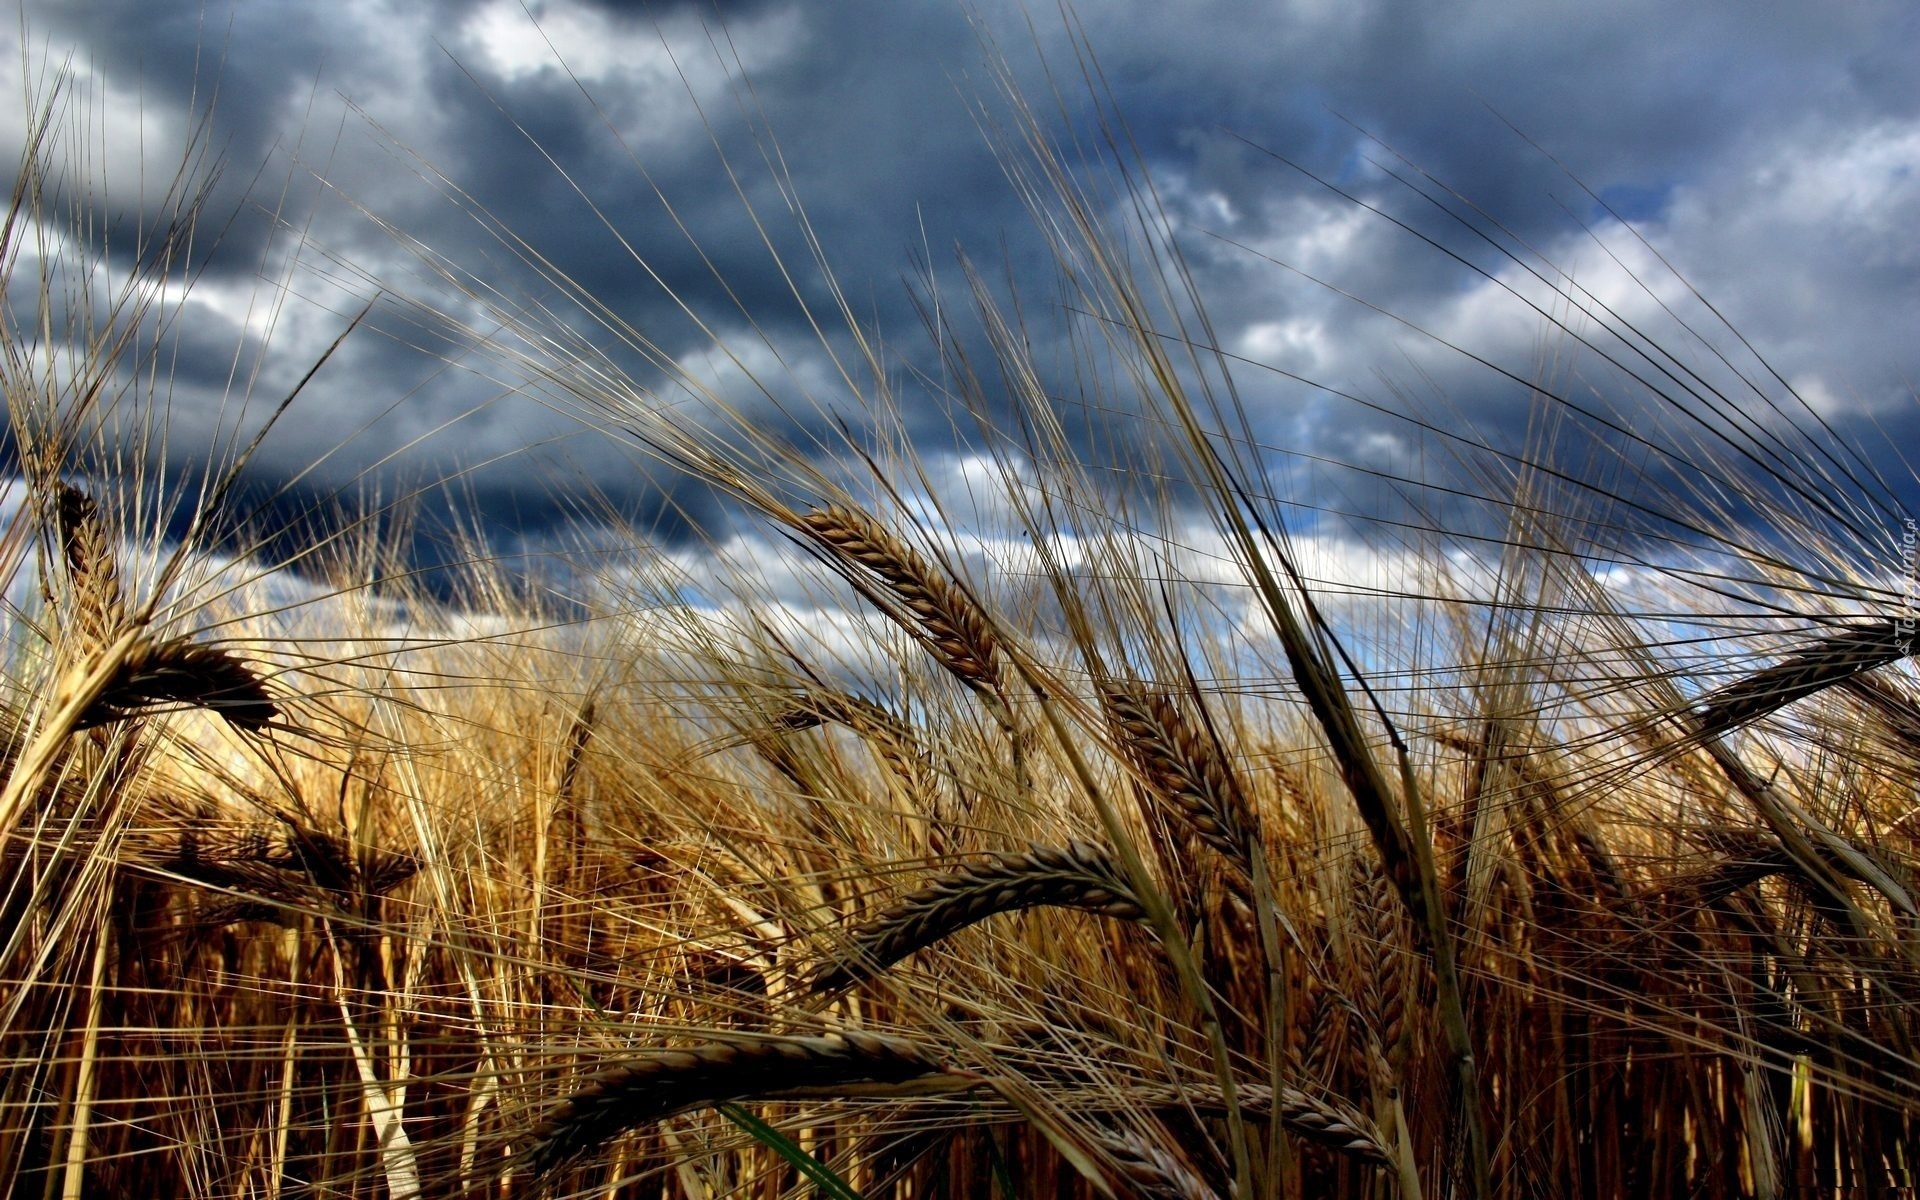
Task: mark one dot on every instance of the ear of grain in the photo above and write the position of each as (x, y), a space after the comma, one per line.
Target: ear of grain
(1331, 1125)
(181, 672)
(822, 706)
(151, 672)
(937, 611)
(895, 741)
(660, 1084)
(1382, 960)
(1707, 886)
(96, 609)
(1079, 875)
(1325, 1122)
(284, 860)
(579, 734)
(1152, 1172)
(1184, 766)
(1615, 890)
(1831, 660)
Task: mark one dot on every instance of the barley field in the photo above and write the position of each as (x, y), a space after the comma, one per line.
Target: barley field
(1093, 830)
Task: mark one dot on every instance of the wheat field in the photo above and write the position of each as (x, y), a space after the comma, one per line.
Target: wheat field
(1099, 833)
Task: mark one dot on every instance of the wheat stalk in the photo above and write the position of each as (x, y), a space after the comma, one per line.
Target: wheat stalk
(938, 612)
(665, 1082)
(1324, 1122)
(97, 609)
(1184, 766)
(1079, 875)
(182, 672)
(150, 671)
(1832, 660)
(1152, 1172)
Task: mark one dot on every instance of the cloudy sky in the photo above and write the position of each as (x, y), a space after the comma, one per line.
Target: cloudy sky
(1771, 152)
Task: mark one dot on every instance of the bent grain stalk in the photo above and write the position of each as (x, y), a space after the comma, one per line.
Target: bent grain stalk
(1079, 875)
(1835, 659)
(929, 604)
(1185, 767)
(937, 611)
(661, 1083)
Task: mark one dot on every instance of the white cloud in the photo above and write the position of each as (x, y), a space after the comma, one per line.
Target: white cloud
(643, 71)
(1298, 344)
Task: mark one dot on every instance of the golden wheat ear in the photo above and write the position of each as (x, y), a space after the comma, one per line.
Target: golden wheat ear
(1152, 1172)
(97, 608)
(1325, 1122)
(1185, 767)
(1079, 875)
(938, 611)
(1835, 659)
(1332, 1125)
(662, 1083)
(151, 673)
(184, 673)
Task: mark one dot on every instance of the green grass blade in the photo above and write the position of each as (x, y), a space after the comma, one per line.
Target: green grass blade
(830, 1184)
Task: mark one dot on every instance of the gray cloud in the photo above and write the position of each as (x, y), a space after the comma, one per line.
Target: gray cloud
(1772, 151)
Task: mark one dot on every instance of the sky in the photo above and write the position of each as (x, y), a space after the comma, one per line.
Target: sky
(1770, 152)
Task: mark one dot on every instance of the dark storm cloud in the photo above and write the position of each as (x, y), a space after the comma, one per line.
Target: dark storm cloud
(1688, 120)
